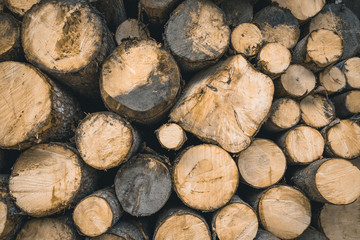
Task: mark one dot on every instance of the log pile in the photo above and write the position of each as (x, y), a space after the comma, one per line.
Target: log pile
(186, 120)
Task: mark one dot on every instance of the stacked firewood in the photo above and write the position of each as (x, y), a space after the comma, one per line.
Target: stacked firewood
(195, 119)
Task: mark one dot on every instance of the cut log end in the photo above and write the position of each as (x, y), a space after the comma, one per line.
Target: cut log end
(205, 177)
(274, 58)
(299, 10)
(332, 79)
(171, 136)
(351, 69)
(317, 111)
(131, 29)
(19, 7)
(3, 216)
(10, 41)
(246, 39)
(347, 104)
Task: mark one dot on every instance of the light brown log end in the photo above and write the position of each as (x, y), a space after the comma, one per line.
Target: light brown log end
(332, 79)
(246, 39)
(171, 136)
(351, 70)
(317, 111)
(274, 58)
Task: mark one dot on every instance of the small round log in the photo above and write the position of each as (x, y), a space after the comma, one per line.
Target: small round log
(131, 29)
(20, 7)
(274, 59)
(205, 177)
(302, 145)
(156, 11)
(59, 179)
(237, 220)
(284, 114)
(197, 34)
(332, 79)
(171, 136)
(181, 224)
(33, 109)
(69, 40)
(265, 235)
(246, 39)
(105, 140)
(10, 42)
(140, 81)
(278, 25)
(317, 111)
(352, 73)
(143, 185)
(347, 104)
(237, 12)
(262, 164)
(302, 10)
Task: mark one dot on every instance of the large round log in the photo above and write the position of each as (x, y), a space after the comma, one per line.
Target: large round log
(320, 181)
(10, 42)
(33, 109)
(205, 177)
(59, 179)
(140, 81)
(302, 10)
(69, 40)
(216, 109)
(196, 34)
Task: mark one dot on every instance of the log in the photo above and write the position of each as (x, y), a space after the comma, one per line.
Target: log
(319, 49)
(215, 108)
(302, 145)
(342, 139)
(347, 104)
(312, 234)
(105, 140)
(113, 11)
(296, 82)
(342, 20)
(205, 177)
(354, 5)
(320, 181)
(69, 41)
(332, 79)
(19, 7)
(265, 235)
(10, 42)
(283, 211)
(123, 230)
(131, 29)
(237, 12)
(274, 59)
(317, 111)
(59, 179)
(345, 226)
(197, 34)
(48, 228)
(284, 114)
(181, 224)
(246, 39)
(143, 185)
(140, 81)
(302, 10)
(352, 72)
(98, 212)
(278, 25)
(262, 164)
(171, 136)
(157, 12)
(237, 220)
(33, 108)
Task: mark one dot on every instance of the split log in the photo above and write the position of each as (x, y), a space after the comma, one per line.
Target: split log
(342, 20)
(123, 230)
(171, 136)
(352, 73)
(317, 111)
(143, 185)
(321, 181)
(278, 25)
(215, 108)
(332, 79)
(274, 59)
(20, 7)
(340, 222)
(296, 82)
(312, 234)
(181, 224)
(48, 229)
(157, 12)
(319, 49)
(237, 220)
(283, 210)
(237, 12)
(113, 11)
(96, 213)
(205, 177)
(342, 139)
(140, 80)
(284, 114)
(302, 10)
(106, 140)
(131, 29)
(68, 40)
(246, 39)
(265, 235)
(347, 104)
(10, 42)
(196, 34)
(302, 145)
(262, 164)
(33, 108)
(59, 179)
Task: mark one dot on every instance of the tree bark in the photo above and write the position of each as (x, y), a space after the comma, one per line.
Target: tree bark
(10, 42)
(158, 12)
(237, 12)
(298, 9)
(313, 234)
(265, 235)
(347, 104)
(171, 136)
(131, 29)
(246, 39)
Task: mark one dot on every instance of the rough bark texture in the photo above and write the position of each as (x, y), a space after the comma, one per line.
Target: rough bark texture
(10, 42)
(131, 29)
(237, 12)
(312, 234)
(265, 235)
(347, 104)
(156, 11)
